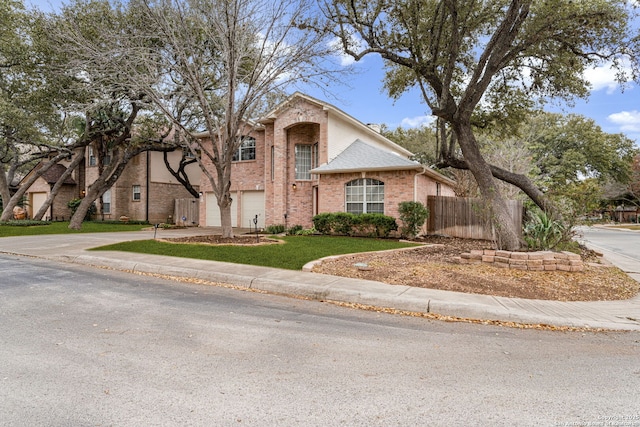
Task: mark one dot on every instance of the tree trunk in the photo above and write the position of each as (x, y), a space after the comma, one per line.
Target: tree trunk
(78, 216)
(7, 213)
(518, 180)
(224, 203)
(507, 236)
(5, 194)
(56, 188)
(105, 181)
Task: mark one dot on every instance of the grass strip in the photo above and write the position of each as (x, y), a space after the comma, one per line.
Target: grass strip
(292, 255)
(11, 229)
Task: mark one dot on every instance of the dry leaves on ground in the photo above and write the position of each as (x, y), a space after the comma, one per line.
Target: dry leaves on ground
(434, 267)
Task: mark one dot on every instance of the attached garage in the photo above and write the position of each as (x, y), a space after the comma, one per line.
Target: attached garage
(213, 211)
(252, 205)
(37, 200)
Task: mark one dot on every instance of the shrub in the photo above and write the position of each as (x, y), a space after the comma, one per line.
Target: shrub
(322, 223)
(413, 215)
(342, 223)
(542, 232)
(275, 229)
(296, 229)
(373, 225)
(24, 223)
(73, 205)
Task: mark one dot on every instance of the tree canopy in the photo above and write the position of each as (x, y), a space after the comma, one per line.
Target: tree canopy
(211, 67)
(479, 63)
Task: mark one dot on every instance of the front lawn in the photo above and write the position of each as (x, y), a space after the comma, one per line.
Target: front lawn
(25, 228)
(292, 255)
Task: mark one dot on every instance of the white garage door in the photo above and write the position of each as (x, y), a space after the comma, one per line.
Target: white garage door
(252, 205)
(213, 211)
(37, 202)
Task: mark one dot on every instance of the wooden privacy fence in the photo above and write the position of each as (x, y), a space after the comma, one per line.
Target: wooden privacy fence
(186, 212)
(468, 218)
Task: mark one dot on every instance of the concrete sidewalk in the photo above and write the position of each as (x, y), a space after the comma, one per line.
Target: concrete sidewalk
(618, 315)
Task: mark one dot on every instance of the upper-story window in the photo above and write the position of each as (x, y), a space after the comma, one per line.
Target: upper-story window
(93, 160)
(364, 195)
(92, 157)
(187, 153)
(246, 151)
(306, 159)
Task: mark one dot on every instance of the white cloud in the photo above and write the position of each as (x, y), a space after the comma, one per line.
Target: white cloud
(414, 122)
(346, 60)
(603, 77)
(629, 121)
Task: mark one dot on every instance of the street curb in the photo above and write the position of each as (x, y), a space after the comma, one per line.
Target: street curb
(338, 289)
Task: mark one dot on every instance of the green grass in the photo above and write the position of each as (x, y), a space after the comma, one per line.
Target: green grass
(292, 255)
(18, 229)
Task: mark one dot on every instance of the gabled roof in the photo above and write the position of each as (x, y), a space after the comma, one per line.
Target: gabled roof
(273, 114)
(53, 174)
(360, 156)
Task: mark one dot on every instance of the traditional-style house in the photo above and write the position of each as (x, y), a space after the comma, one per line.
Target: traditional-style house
(40, 190)
(145, 190)
(309, 157)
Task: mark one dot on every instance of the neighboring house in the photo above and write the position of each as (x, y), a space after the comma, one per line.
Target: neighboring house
(41, 188)
(308, 157)
(624, 213)
(144, 191)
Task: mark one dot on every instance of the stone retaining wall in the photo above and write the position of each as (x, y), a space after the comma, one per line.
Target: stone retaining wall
(533, 261)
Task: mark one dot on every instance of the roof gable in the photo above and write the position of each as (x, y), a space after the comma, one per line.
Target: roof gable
(360, 156)
(54, 173)
(362, 128)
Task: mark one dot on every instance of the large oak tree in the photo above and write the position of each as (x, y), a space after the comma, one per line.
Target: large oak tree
(482, 62)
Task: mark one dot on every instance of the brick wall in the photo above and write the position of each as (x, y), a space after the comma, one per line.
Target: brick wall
(398, 187)
(162, 200)
(301, 122)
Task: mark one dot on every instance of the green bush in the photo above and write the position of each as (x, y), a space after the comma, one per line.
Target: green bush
(322, 223)
(344, 223)
(295, 230)
(275, 229)
(542, 232)
(413, 215)
(74, 203)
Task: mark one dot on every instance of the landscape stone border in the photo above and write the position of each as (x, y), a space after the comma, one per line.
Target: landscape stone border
(532, 261)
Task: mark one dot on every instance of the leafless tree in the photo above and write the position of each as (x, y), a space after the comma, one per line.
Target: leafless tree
(222, 63)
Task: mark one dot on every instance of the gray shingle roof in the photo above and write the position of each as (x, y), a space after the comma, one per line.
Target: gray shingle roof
(53, 174)
(360, 156)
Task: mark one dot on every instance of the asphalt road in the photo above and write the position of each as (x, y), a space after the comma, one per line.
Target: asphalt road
(620, 245)
(90, 347)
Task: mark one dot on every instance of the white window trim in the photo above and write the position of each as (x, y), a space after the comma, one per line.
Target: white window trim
(364, 185)
(134, 192)
(106, 200)
(247, 146)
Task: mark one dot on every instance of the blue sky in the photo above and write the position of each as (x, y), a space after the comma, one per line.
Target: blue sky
(363, 97)
(614, 109)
